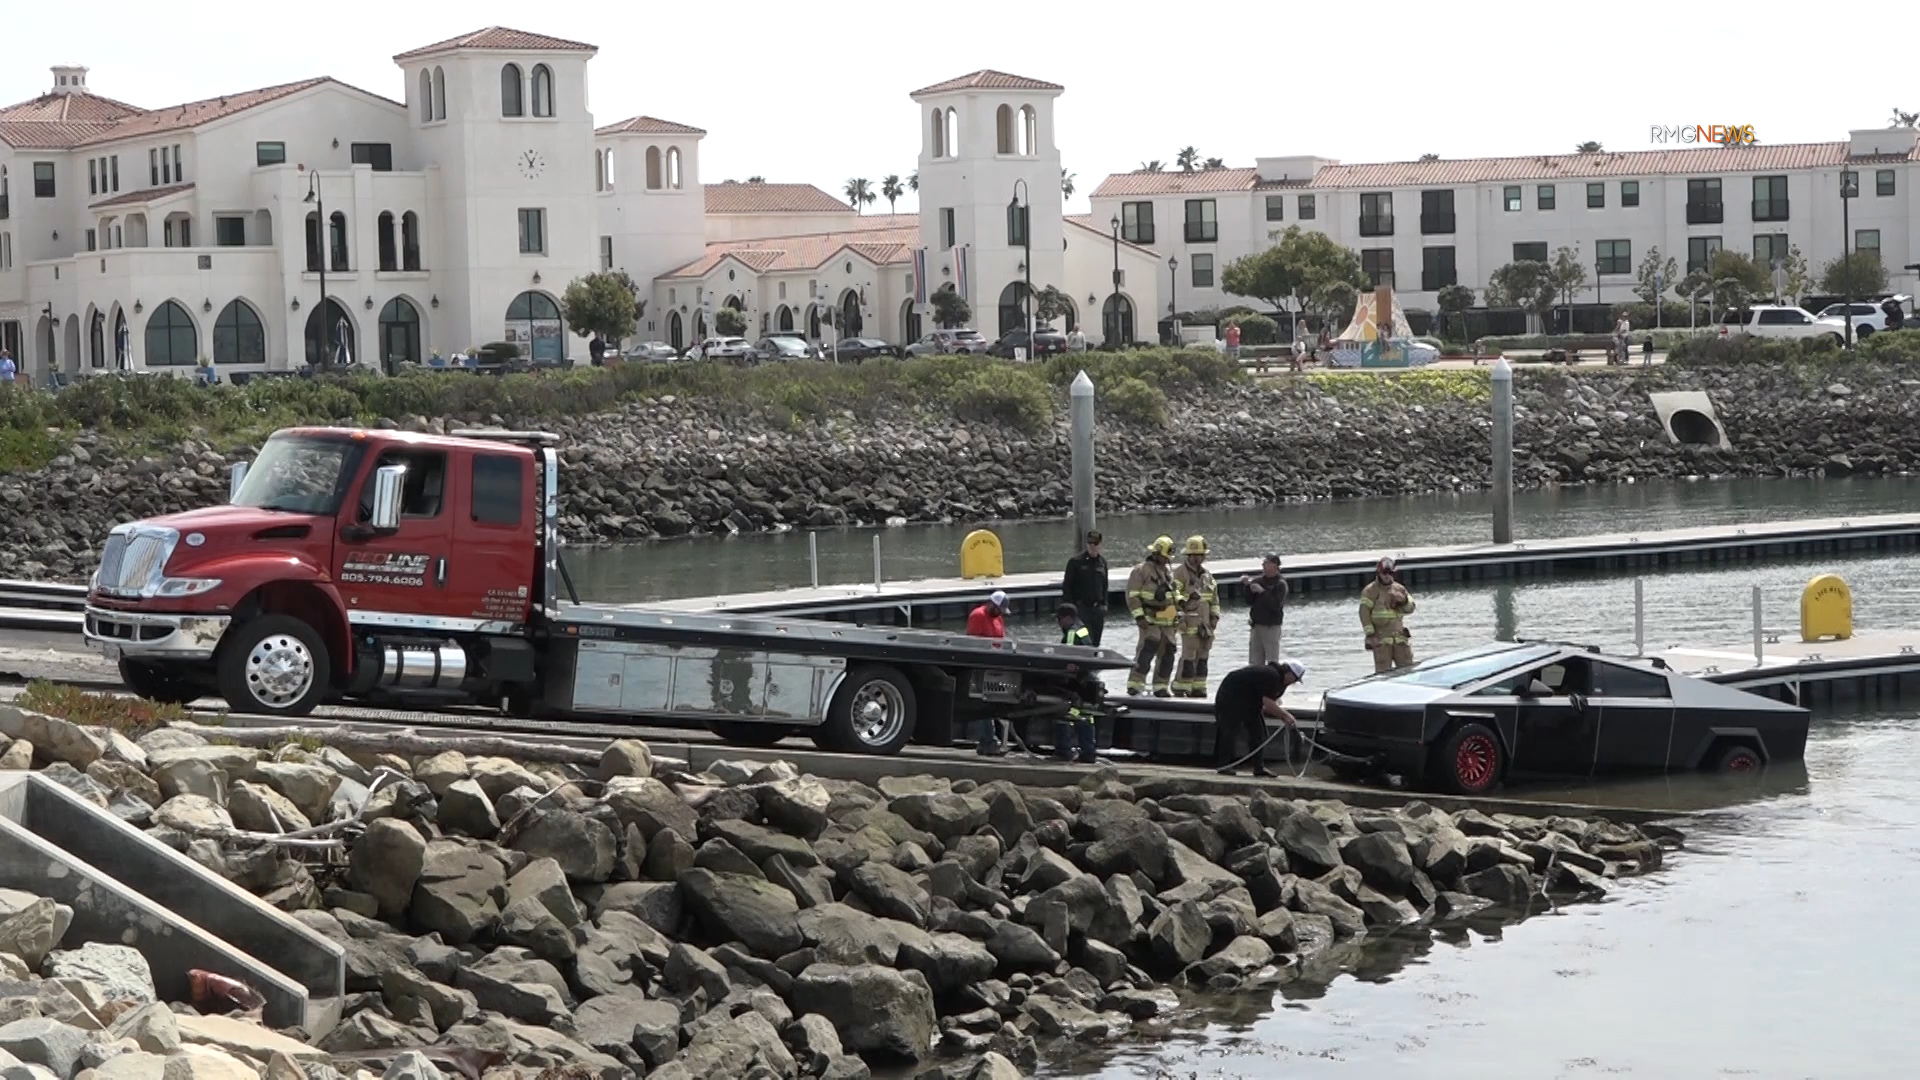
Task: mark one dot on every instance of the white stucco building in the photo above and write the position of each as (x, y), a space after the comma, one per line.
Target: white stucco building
(1420, 226)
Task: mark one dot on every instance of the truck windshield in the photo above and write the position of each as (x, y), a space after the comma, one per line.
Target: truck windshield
(1455, 670)
(298, 474)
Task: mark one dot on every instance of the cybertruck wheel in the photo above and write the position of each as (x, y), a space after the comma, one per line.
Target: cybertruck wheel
(1468, 761)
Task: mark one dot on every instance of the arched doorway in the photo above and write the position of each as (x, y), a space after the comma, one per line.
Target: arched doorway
(533, 323)
(399, 334)
(47, 345)
(785, 319)
(676, 335)
(1116, 321)
(329, 325)
(909, 323)
(851, 324)
(122, 341)
(699, 326)
(97, 340)
(1013, 311)
(813, 322)
(72, 343)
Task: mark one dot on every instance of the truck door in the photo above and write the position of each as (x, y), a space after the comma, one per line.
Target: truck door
(399, 575)
(490, 565)
(1554, 732)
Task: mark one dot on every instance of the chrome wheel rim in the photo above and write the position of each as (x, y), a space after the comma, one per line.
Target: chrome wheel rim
(879, 712)
(279, 670)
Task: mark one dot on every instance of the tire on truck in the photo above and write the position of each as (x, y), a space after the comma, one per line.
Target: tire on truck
(873, 712)
(275, 665)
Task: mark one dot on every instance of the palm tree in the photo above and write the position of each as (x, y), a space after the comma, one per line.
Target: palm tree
(1066, 184)
(891, 189)
(1905, 119)
(1429, 157)
(1187, 159)
(1156, 165)
(913, 180)
(1214, 163)
(1591, 146)
(859, 192)
(756, 179)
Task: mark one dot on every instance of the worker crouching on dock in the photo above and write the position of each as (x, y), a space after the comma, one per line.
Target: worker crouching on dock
(1384, 606)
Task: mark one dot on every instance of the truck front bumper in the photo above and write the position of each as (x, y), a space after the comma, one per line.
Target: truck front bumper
(144, 635)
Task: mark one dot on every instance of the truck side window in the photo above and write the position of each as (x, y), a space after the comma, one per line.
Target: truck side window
(499, 489)
(425, 486)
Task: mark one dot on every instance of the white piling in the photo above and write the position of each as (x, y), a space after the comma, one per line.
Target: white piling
(1639, 618)
(876, 562)
(1759, 633)
(1081, 396)
(1502, 451)
(813, 556)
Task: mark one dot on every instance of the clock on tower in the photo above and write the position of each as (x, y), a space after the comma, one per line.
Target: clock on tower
(532, 164)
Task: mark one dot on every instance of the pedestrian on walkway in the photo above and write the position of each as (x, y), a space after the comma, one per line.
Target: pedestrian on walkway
(8, 369)
(1269, 593)
(1085, 587)
(1243, 703)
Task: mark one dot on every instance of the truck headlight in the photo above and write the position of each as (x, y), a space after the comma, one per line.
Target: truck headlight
(186, 586)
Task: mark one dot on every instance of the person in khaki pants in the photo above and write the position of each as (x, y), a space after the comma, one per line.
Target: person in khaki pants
(1384, 606)
(1268, 592)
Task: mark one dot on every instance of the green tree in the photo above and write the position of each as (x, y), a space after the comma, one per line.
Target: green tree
(601, 304)
(1799, 277)
(891, 189)
(1156, 165)
(1299, 264)
(1525, 284)
(859, 193)
(1454, 300)
(1569, 273)
(1591, 146)
(1656, 272)
(950, 309)
(1049, 304)
(756, 179)
(1736, 280)
(1905, 119)
(1429, 157)
(1214, 163)
(1066, 184)
(913, 180)
(730, 322)
(1187, 159)
(1334, 302)
(1856, 274)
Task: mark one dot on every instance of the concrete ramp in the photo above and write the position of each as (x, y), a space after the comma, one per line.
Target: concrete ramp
(1689, 418)
(125, 888)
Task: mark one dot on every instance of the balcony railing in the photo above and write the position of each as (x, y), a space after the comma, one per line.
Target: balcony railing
(1769, 209)
(1434, 222)
(1706, 213)
(1376, 224)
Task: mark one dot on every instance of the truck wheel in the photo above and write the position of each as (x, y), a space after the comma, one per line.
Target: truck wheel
(274, 666)
(155, 684)
(745, 733)
(872, 713)
(1739, 759)
(1469, 760)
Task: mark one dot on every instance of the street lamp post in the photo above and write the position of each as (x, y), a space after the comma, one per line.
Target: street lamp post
(1020, 211)
(1849, 187)
(1113, 335)
(1173, 295)
(320, 241)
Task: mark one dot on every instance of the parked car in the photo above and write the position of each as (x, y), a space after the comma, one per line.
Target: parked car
(863, 348)
(732, 349)
(649, 352)
(1045, 343)
(1771, 321)
(1463, 721)
(1870, 316)
(784, 347)
(949, 342)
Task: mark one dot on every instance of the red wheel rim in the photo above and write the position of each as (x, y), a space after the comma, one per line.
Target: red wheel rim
(1741, 763)
(1475, 761)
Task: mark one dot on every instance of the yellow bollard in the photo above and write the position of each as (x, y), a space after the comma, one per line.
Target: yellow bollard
(1826, 609)
(980, 555)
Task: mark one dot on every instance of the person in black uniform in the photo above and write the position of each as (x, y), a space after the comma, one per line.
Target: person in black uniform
(1085, 587)
(1244, 701)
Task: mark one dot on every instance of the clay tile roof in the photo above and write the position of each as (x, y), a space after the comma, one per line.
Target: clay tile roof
(1200, 181)
(888, 246)
(738, 198)
(75, 108)
(41, 136)
(144, 195)
(647, 125)
(1698, 162)
(194, 113)
(498, 37)
(987, 80)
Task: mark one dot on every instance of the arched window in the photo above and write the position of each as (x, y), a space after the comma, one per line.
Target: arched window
(673, 167)
(851, 322)
(239, 337)
(426, 94)
(785, 320)
(171, 340)
(599, 170)
(1116, 322)
(813, 321)
(533, 322)
(653, 168)
(512, 91)
(542, 90)
(313, 243)
(937, 133)
(409, 241)
(909, 323)
(1003, 130)
(1013, 306)
(699, 326)
(952, 132)
(329, 335)
(1029, 131)
(439, 94)
(337, 230)
(97, 340)
(607, 163)
(122, 341)
(389, 249)
(399, 334)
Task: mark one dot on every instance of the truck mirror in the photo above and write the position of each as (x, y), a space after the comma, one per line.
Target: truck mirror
(1537, 688)
(387, 481)
(236, 476)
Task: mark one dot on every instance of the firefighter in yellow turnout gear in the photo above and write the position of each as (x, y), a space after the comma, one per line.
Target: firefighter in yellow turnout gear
(1153, 599)
(1384, 606)
(1199, 618)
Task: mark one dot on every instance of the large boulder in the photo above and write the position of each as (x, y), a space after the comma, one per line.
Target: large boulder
(876, 1010)
(652, 806)
(890, 891)
(758, 914)
(759, 843)
(117, 972)
(385, 863)
(1307, 840)
(943, 814)
(458, 894)
(309, 787)
(584, 847)
(1179, 936)
(1383, 861)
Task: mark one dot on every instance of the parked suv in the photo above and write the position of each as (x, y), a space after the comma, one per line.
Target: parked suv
(1770, 321)
(947, 342)
(1045, 343)
(730, 349)
(1870, 316)
(785, 347)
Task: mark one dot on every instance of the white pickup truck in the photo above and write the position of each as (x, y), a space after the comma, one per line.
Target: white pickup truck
(1772, 321)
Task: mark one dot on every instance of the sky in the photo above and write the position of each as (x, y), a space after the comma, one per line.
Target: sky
(818, 93)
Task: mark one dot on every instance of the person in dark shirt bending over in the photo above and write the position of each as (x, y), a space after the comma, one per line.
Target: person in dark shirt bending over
(1244, 701)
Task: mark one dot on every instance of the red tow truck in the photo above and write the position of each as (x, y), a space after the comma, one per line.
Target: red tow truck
(425, 571)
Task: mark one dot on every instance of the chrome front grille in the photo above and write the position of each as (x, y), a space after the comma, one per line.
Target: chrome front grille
(133, 560)
(111, 558)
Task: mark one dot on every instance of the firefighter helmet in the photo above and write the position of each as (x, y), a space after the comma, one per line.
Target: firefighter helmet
(1196, 545)
(1162, 546)
(1385, 565)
